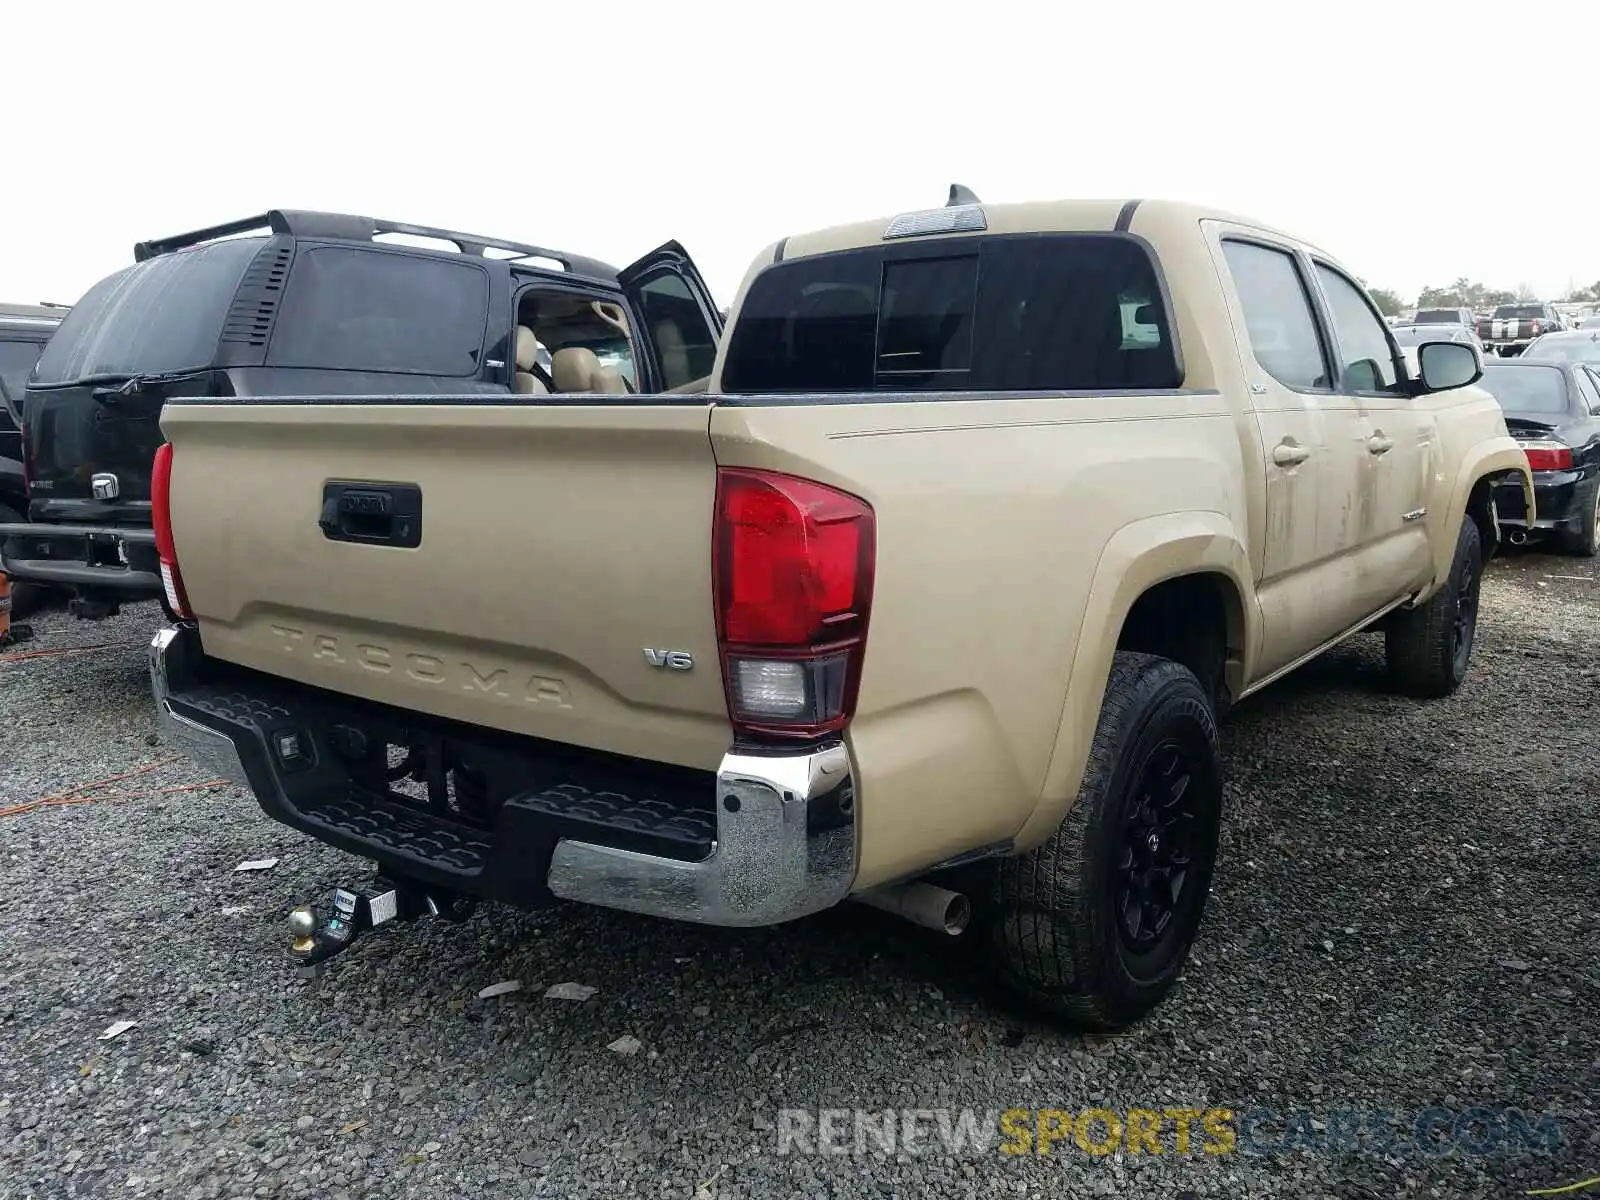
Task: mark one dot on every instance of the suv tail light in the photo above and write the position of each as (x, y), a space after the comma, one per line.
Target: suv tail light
(161, 518)
(792, 568)
(1548, 456)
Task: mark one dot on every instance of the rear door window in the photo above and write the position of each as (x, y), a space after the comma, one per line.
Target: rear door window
(164, 314)
(1055, 312)
(1586, 389)
(684, 343)
(1277, 315)
(382, 311)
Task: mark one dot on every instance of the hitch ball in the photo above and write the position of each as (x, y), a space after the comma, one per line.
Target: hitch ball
(302, 922)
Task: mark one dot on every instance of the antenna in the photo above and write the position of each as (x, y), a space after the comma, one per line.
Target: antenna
(960, 194)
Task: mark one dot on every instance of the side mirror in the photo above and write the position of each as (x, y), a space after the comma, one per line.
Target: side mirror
(1446, 365)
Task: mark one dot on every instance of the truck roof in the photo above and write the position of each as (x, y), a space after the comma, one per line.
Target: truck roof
(1039, 216)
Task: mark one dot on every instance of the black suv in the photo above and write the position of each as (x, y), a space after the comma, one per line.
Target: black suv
(24, 329)
(297, 303)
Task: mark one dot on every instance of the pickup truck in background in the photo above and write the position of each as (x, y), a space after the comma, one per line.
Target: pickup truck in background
(294, 303)
(1513, 326)
(1443, 316)
(931, 598)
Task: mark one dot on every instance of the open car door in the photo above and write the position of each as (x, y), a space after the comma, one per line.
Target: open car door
(682, 322)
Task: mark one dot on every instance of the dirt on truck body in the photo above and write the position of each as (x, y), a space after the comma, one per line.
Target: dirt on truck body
(983, 516)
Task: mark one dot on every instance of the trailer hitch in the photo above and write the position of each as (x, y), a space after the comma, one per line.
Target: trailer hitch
(332, 925)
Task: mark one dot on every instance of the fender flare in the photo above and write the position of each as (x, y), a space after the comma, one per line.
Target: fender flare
(1137, 557)
(1491, 457)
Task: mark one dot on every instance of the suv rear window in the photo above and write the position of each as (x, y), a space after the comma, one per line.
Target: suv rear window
(1052, 312)
(1507, 312)
(1438, 316)
(164, 314)
(379, 310)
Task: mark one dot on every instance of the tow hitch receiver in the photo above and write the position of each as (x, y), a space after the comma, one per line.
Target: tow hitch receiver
(333, 924)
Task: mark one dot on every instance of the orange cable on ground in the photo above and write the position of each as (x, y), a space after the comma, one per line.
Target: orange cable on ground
(73, 795)
(22, 654)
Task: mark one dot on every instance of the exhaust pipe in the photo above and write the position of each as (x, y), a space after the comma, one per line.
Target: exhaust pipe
(1518, 537)
(923, 904)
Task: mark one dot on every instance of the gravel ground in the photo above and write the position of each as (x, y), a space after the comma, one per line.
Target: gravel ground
(1404, 919)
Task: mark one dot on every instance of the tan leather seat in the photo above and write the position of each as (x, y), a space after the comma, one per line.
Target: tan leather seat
(577, 369)
(527, 383)
(674, 354)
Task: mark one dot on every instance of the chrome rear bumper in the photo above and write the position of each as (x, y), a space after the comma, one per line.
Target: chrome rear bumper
(784, 846)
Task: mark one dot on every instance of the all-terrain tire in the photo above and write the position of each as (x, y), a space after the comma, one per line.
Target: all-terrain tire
(1428, 647)
(25, 597)
(1584, 541)
(1056, 920)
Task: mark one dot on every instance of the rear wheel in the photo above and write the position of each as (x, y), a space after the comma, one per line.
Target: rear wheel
(1584, 539)
(1094, 925)
(25, 597)
(1428, 647)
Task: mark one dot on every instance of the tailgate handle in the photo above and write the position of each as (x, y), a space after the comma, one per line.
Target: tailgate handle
(373, 514)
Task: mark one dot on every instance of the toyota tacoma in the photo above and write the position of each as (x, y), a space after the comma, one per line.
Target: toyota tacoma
(930, 597)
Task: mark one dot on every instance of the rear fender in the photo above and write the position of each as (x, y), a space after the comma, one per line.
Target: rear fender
(1138, 557)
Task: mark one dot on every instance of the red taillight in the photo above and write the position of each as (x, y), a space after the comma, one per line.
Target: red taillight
(792, 564)
(161, 518)
(1548, 456)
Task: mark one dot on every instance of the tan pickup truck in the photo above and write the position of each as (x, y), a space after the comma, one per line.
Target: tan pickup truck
(984, 514)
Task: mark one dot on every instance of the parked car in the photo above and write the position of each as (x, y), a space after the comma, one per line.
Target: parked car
(305, 303)
(945, 579)
(1443, 316)
(24, 330)
(1410, 337)
(1552, 408)
(1589, 323)
(1508, 332)
(1570, 345)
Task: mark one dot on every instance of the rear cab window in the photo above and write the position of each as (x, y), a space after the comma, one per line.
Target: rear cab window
(1024, 312)
(161, 315)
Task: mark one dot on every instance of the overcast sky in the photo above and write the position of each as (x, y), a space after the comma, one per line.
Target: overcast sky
(1416, 143)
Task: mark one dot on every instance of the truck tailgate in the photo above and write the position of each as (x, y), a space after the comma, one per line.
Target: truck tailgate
(559, 544)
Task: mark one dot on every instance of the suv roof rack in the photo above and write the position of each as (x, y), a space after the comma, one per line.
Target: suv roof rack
(33, 312)
(345, 227)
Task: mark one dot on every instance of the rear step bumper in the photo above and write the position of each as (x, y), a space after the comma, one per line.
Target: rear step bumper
(107, 557)
(767, 839)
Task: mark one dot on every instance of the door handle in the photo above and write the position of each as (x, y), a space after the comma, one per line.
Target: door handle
(1287, 455)
(1378, 444)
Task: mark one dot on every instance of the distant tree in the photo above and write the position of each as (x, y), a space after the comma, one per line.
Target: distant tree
(1466, 293)
(1581, 295)
(1389, 303)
